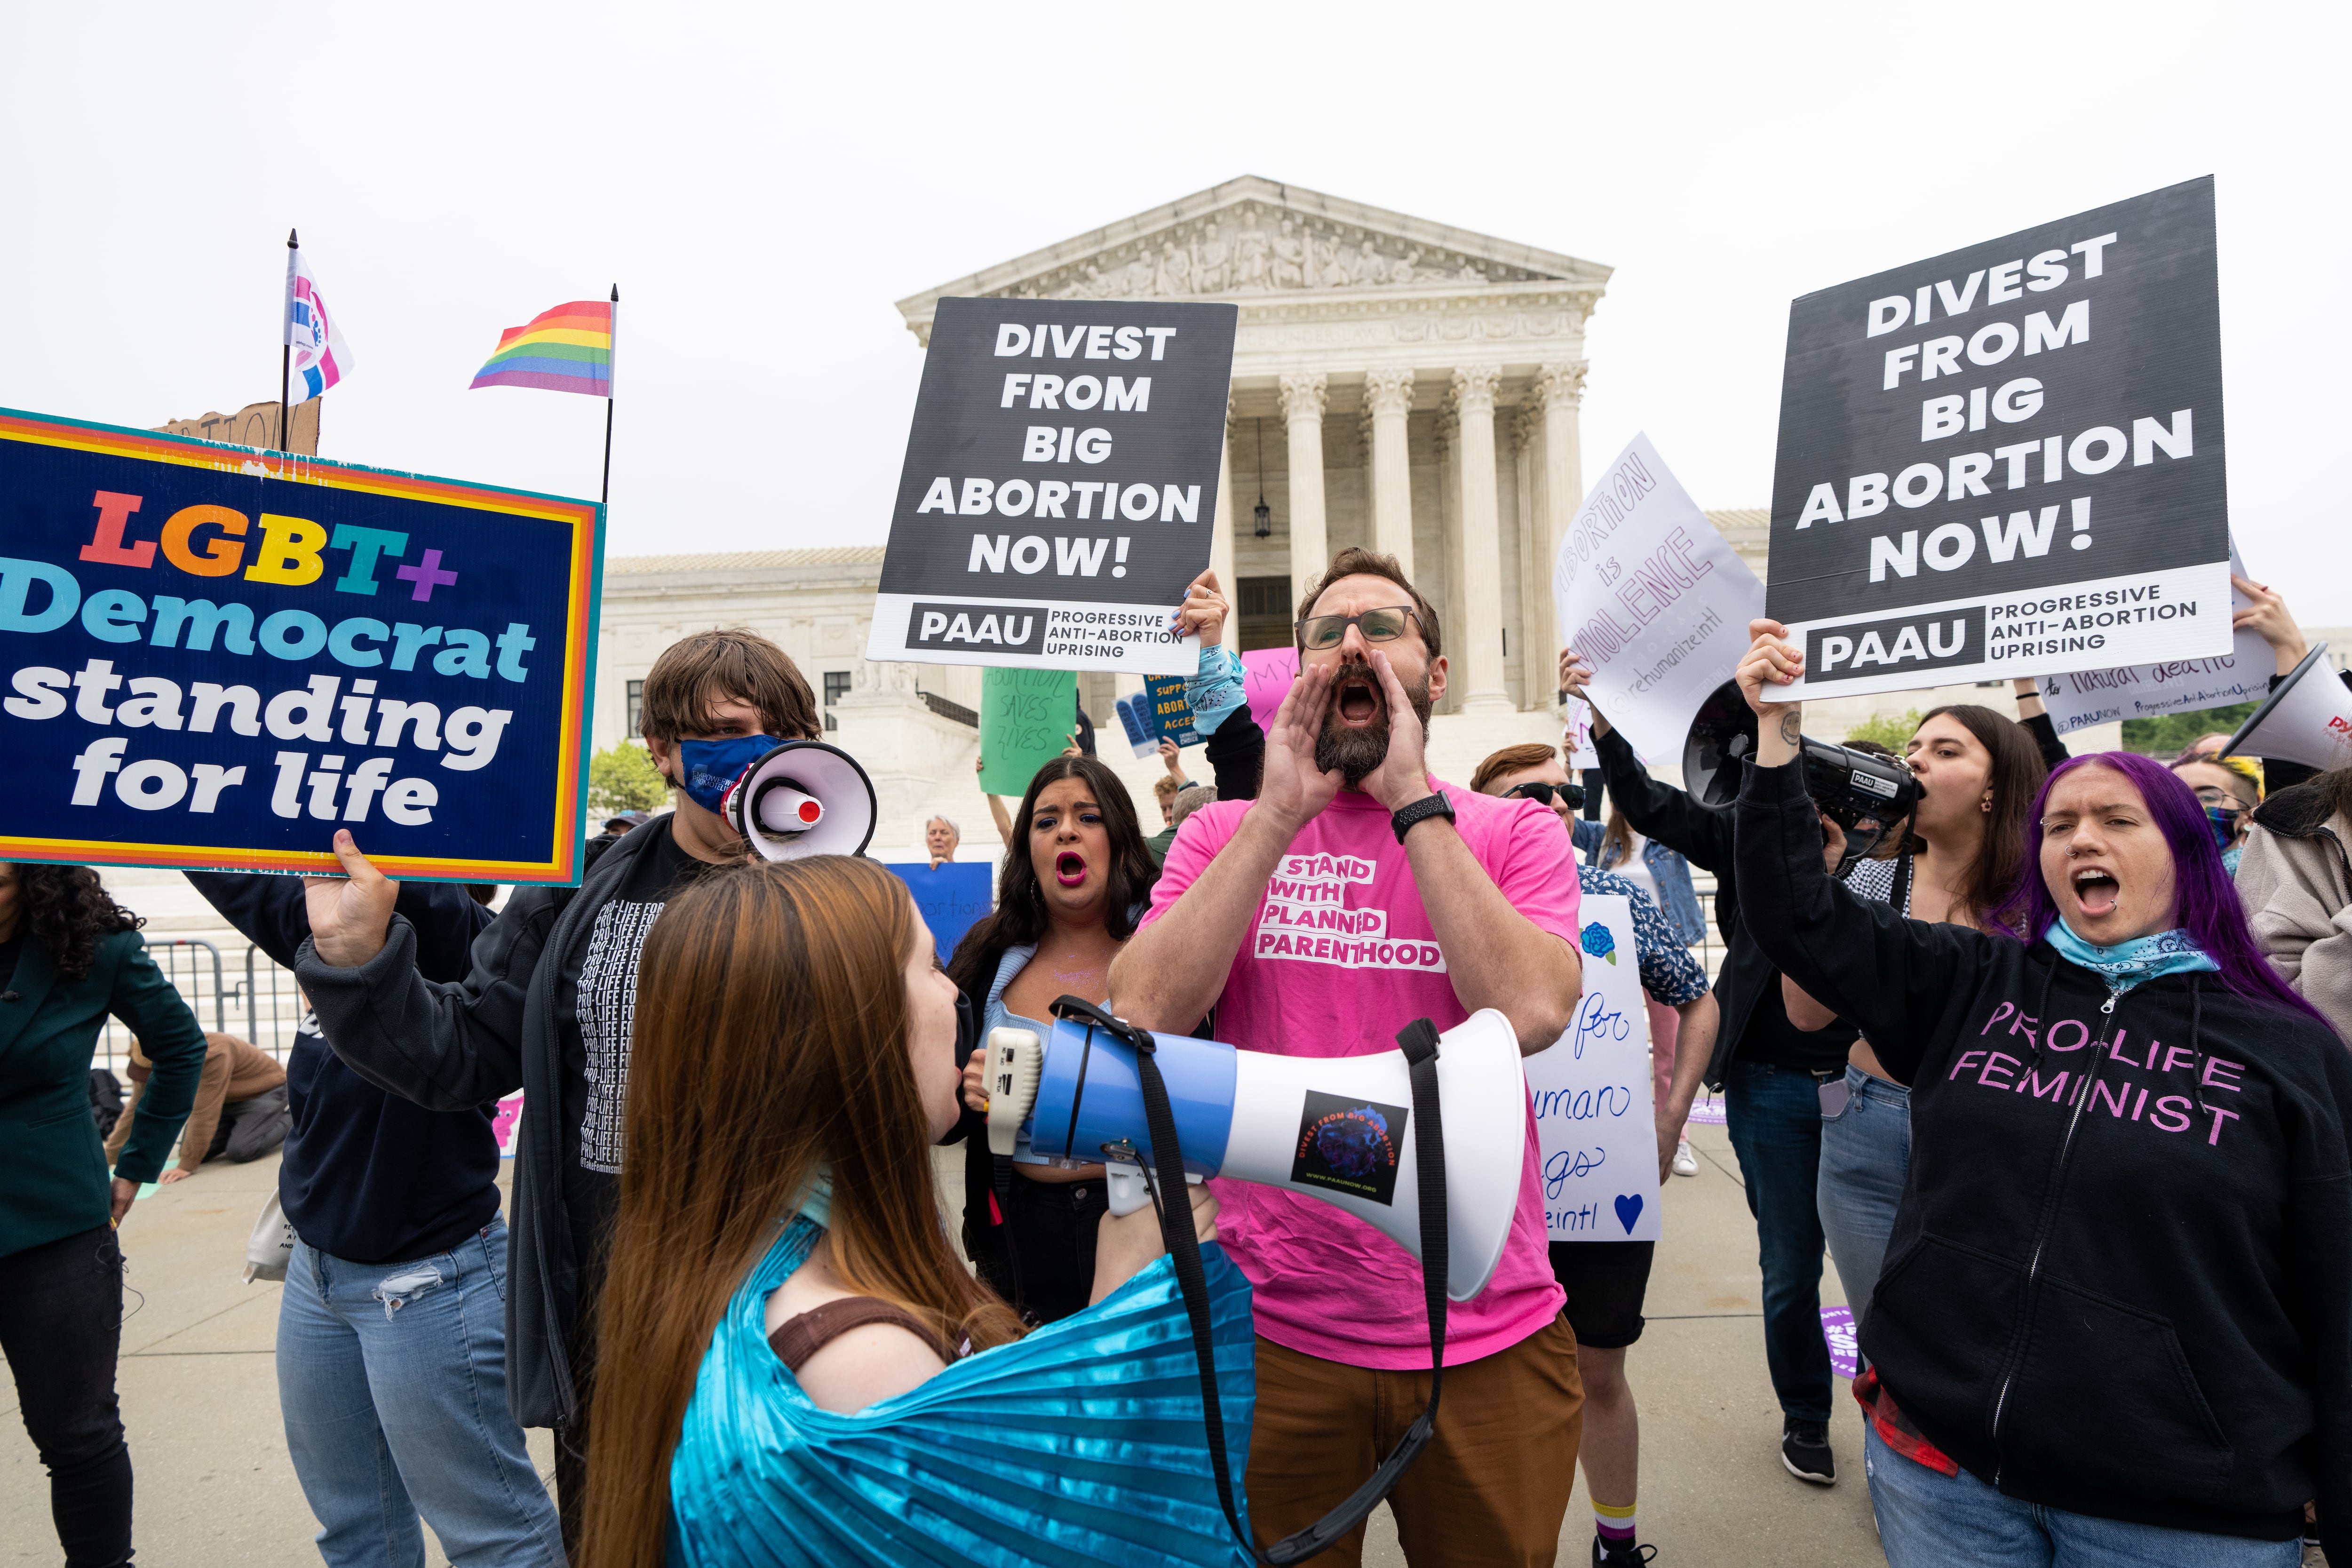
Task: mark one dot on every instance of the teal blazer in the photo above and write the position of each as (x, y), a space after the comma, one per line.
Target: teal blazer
(56, 1183)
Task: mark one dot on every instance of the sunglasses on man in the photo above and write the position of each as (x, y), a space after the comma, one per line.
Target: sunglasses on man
(1570, 794)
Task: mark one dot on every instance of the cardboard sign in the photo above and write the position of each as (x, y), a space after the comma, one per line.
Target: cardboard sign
(1026, 719)
(215, 656)
(2008, 461)
(1654, 599)
(2082, 698)
(1060, 485)
(950, 897)
(1595, 1115)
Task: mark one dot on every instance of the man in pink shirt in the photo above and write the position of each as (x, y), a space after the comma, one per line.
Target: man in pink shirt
(1353, 896)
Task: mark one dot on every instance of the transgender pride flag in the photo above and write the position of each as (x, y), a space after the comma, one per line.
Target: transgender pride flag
(319, 356)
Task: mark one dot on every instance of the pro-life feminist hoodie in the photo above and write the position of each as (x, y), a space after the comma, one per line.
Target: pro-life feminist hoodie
(2120, 1279)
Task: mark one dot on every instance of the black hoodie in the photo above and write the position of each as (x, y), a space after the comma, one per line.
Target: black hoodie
(2120, 1279)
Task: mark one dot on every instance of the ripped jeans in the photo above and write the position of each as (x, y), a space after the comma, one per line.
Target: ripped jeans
(392, 1380)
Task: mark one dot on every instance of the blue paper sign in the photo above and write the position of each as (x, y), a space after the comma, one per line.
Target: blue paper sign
(1142, 738)
(1170, 714)
(217, 657)
(951, 898)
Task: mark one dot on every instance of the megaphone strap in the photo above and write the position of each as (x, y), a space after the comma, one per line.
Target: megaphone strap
(1164, 1175)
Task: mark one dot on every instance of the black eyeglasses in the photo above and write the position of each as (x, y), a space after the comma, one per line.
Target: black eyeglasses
(1570, 795)
(1386, 625)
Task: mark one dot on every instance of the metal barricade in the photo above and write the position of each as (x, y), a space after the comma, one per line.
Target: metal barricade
(262, 1007)
(273, 1004)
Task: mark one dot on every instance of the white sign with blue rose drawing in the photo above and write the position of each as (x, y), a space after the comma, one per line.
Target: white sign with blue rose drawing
(1594, 1097)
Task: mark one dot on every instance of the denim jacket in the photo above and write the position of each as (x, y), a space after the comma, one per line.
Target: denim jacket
(1670, 870)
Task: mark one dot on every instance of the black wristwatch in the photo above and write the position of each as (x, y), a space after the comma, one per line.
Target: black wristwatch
(1420, 810)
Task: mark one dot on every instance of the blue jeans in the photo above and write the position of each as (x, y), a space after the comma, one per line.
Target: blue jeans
(393, 1382)
(1774, 1116)
(1865, 1154)
(1928, 1519)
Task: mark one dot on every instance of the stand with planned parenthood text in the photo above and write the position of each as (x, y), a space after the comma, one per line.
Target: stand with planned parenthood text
(217, 657)
(2008, 461)
(1594, 1097)
(1060, 485)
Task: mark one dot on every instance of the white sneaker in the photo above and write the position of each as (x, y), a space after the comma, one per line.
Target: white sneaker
(1685, 1163)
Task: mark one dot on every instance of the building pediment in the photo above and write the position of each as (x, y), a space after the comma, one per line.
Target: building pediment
(1262, 243)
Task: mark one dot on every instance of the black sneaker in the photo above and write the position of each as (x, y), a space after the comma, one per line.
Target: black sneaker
(1805, 1449)
(1623, 1555)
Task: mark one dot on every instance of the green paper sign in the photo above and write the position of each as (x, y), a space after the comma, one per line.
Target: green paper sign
(1026, 719)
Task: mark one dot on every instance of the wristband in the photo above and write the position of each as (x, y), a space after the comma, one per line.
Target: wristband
(1420, 810)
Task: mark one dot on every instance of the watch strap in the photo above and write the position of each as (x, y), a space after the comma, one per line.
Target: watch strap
(1419, 811)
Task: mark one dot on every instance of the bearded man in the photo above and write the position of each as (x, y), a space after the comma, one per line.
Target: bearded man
(1453, 901)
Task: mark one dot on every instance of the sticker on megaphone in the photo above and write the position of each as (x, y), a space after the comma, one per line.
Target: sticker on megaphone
(803, 798)
(1335, 1129)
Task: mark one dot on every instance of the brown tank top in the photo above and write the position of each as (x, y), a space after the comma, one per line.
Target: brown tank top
(798, 1338)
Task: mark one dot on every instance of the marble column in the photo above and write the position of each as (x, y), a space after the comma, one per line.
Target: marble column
(1560, 388)
(1478, 663)
(1220, 534)
(1387, 399)
(1303, 398)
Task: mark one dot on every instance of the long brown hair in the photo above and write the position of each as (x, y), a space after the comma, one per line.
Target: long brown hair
(2014, 778)
(1020, 916)
(771, 1036)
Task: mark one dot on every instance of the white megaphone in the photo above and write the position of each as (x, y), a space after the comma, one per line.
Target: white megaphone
(2304, 720)
(1335, 1127)
(803, 798)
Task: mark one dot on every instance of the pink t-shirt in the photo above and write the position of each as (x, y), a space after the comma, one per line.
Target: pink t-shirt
(1339, 957)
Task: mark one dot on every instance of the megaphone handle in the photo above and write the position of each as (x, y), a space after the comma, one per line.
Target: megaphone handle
(1129, 1190)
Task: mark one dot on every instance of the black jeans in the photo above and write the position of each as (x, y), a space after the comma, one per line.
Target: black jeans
(1053, 1233)
(61, 1328)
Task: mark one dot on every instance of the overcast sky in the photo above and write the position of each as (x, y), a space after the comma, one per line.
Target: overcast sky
(763, 182)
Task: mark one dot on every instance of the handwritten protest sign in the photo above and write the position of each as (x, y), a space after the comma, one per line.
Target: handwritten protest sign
(1026, 719)
(1653, 599)
(217, 657)
(950, 897)
(2008, 459)
(1594, 1097)
(1267, 675)
(2080, 699)
(1060, 485)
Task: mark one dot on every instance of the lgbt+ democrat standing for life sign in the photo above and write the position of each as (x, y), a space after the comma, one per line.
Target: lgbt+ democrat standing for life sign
(216, 656)
(1060, 485)
(2008, 461)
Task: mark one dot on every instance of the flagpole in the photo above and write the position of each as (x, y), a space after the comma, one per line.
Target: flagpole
(615, 326)
(285, 353)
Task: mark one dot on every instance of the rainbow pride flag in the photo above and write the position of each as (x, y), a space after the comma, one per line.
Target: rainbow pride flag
(568, 349)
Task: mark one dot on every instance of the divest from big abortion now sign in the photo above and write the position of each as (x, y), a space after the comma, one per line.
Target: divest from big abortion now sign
(2008, 461)
(1060, 485)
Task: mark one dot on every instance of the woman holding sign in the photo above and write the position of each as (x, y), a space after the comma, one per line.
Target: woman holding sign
(2116, 1320)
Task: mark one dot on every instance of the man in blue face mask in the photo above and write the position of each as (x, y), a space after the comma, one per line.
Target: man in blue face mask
(547, 1009)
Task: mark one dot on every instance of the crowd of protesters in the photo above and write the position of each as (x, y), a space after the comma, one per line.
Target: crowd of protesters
(2063, 1101)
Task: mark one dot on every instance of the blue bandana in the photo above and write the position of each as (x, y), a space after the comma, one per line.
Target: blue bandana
(711, 767)
(2127, 963)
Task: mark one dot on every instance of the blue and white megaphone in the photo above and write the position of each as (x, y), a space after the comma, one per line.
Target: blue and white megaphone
(1335, 1127)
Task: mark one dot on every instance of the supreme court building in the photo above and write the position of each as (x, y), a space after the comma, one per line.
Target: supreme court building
(1397, 383)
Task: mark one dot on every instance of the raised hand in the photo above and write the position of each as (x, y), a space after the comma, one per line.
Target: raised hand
(1293, 787)
(349, 913)
(1206, 610)
(1575, 675)
(2267, 617)
(1771, 661)
(1402, 776)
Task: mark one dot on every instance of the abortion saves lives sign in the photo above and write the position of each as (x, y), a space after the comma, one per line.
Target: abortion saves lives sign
(1594, 1099)
(215, 656)
(1060, 485)
(2008, 461)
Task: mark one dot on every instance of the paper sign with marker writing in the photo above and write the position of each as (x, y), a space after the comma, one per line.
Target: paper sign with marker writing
(2086, 696)
(1026, 719)
(1595, 1118)
(1267, 674)
(1653, 599)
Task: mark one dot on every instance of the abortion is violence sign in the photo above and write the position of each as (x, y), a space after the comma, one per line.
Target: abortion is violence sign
(215, 656)
(1060, 485)
(2008, 461)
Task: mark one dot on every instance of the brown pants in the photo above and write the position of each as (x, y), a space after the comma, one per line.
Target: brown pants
(1489, 1491)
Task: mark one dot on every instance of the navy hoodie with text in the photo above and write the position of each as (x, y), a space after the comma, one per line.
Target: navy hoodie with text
(2120, 1278)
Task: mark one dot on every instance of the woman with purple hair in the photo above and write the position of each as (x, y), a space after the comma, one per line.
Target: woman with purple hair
(2115, 1323)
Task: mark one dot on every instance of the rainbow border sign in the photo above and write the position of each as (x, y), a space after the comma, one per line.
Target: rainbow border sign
(215, 656)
